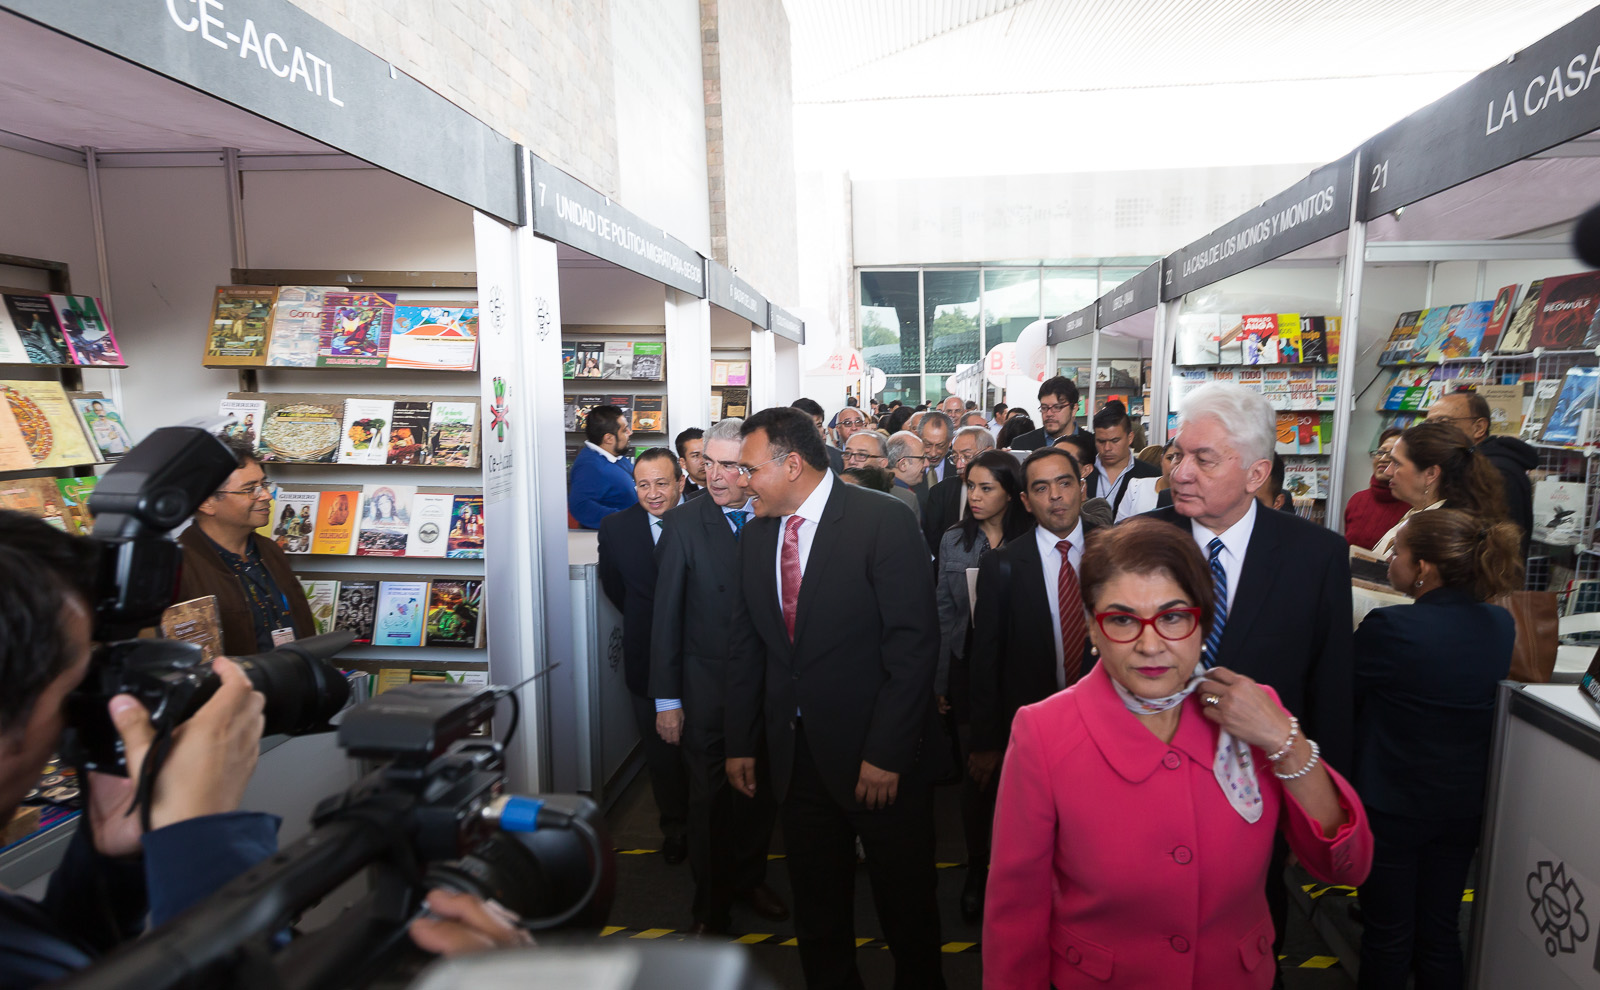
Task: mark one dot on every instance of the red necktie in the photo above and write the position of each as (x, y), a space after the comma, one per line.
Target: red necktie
(790, 568)
(1074, 628)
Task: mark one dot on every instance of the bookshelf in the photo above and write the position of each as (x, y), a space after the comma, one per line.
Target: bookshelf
(619, 353)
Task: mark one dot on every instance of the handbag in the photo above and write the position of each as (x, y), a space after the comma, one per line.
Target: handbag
(1533, 656)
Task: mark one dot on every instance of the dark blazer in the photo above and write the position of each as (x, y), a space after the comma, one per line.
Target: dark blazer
(204, 573)
(866, 644)
(628, 576)
(835, 457)
(1135, 469)
(1290, 624)
(1427, 675)
(1013, 660)
(697, 568)
(1038, 438)
(943, 509)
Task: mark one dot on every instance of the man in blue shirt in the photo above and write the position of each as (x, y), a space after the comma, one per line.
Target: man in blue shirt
(601, 481)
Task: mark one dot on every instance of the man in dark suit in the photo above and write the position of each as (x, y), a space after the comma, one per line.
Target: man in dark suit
(691, 454)
(1029, 637)
(945, 500)
(908, 462)
(835, 645)
(813, 408)
(1115, 463)
(1283, 602)
(936, 431)
(628, 577)
(1058, 410)
(697, 581)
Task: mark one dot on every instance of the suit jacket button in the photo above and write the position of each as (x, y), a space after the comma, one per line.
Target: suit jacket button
(1180, 944)
(1172, 761)
(1074, 956)
(1182, 855)
(1264, 945)
(791, 723)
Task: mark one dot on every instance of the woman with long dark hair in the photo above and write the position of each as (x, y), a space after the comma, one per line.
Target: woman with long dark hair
(1435, 466)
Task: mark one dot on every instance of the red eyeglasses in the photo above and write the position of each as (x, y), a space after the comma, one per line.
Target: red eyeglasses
(1171, 624)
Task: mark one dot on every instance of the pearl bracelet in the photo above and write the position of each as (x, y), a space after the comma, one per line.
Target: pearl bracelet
(1288, 744)
(1316, 753)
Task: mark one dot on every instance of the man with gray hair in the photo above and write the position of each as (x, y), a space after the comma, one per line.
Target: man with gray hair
(947, 501)
(697, 567)
(1283, 613)
(935, 432)
(974, 418)
(908, 462)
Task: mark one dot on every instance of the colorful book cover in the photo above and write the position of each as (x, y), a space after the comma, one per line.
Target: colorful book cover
(390, 677)
(1505, 303)
(1566, 309)
(1260, 339)
(408, 431)
(569, 363)
(430, 524)
(294, 520)
(88, 333)
(296, 332)
(300, 431)
(1571, 419)
(623, 402)
(1430, 331)
(1302, 388)
(244, 419)
(15, 455)
(323, 597)
(50, 428)
(1288, 441)
(11, 349)
(581, 409)
(454, 607)
(1537, 406)
(569, 413)
(1518, 336)
(1313, 348)
(196, 621)
(1307, 437)
(37, 497)
(1300, 478)
(365, 439)
(75, 493)
(1401, 338)
(650, 414)
(1505, 408)
(355, 329)
(357, 608)
(1197, 339)
(441, 336)
(1330, 337)
(649, 360)
(466, 527)
(590, 358)
(1275, 386)
(338, 514)
(241, 320)
(739, 373)
(1463, 336)
(35, 322)
(453, 434)
(1558, 512)
(1289, 338)
(619, 359)
(102, 424)
(1230, 339)
(385, 520)
(402, 612)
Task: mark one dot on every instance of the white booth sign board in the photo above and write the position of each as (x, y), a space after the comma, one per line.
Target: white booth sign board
(786, 324)
(734, 294)
(1073, 325)
(1137, 295)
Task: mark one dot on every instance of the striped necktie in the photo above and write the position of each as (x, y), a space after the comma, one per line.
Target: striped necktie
(1219, 585)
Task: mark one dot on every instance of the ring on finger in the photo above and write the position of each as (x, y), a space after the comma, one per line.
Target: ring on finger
(1212, 699)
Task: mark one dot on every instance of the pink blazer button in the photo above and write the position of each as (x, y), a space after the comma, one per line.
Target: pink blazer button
(1172, 761)
(1182, 855)
(1180, 944)
(1074, 956)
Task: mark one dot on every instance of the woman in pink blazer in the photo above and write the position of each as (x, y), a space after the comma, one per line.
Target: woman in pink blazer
(1137, 808)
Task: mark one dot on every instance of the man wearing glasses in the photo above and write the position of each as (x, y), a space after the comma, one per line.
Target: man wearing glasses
(908, 461)
(849, 422)
(258, 599)
(1058, 409)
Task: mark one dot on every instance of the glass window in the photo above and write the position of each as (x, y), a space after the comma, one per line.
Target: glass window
(950, 319)
(906, 388)
(890, 333)
(1010, 303)
(1067, 290)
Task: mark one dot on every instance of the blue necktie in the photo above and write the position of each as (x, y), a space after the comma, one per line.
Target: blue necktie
(1219, 585)
(738, 518)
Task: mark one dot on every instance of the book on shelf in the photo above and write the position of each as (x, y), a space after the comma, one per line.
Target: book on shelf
(649, 360)
(39, 329)
(385, 520)
(401, 613)
(1571, 418)
(323, 597)
(454, 609)
(569, 363)
(736, 402)
(365, 439)
(466, 528)
(75, 494)
(1275, 387)
(1397, 350)
(1230, 339)
(90, 340)
(618, 359)
(1313, 339)
(38, 497)
(294, 520)
(1566, 311)
(1463, 332)
(1259, 338)
(441, 336)
(1308, 433)
(50, 429)
(650, 414)
(1518, 335)
(1430, 329)
(1536, 407)
(1559, 512)
(1505, 303)
(1288, 441)
(295, 334)
(582, 406)
(624, 403)
(355, 329)
(589, 359)
(1505, 408)
(244, 419)
(197, 621)
(408, 432)
(298, 430)
(102, 424)
(11, 349)
(1300, 479)
(1289, 338)
(338, 515)
(357, 608)
(716, 406)
(453, 434)
(391, 677)
(428, 535)
(1302, 388)
(241, 320)
(1197, 339)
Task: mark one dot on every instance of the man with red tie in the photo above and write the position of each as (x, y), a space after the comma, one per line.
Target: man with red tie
(1030, 636)
(835, 642)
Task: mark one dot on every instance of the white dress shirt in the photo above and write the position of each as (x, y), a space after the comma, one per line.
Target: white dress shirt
(1141, 497)
(1234, 544)
(608, 455)
(1051, 557)
(811, 511)
(1107, 486)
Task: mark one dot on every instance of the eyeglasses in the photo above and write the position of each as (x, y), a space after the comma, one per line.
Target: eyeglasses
(746, 471)
(255, 490)
(858, 455)
(1043, 408)
(1171, 624)
(1381, 455)
(913, 457)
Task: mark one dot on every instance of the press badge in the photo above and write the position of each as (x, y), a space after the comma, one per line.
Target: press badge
(282, 636)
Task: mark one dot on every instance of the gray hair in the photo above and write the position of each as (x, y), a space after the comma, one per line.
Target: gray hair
(727, 429)
(875, 437)
(1245, 415)
(899, 445)
(932, 417)
(981, 421)
(980, 433)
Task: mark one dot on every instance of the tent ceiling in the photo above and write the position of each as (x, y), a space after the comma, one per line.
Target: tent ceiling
(62, 92)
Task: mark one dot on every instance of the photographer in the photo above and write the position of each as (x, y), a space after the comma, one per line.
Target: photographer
(258, 599)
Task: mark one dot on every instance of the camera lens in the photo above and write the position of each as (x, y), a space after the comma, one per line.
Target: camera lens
(302, 690)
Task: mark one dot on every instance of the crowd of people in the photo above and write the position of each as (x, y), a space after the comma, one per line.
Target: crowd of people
(1137, 662)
